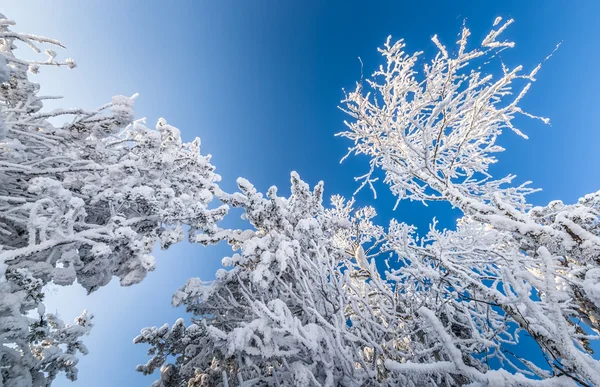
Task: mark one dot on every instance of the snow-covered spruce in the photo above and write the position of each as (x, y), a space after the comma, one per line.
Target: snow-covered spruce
(80, 202)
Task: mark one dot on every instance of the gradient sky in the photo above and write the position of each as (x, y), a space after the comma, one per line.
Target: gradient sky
(260, 82)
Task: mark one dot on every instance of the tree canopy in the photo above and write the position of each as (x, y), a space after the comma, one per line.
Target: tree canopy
(86, 196)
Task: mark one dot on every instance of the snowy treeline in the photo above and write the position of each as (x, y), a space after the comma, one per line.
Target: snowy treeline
(300, 301)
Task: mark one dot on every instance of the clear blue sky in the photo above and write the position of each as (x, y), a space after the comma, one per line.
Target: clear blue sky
(260, 82)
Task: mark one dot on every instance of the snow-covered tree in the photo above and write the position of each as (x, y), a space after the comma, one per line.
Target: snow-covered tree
(508, 269)
(84, 196)
(304, 304)
(280, 315)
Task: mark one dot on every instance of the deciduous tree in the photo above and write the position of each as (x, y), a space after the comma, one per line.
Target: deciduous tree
(304, 303)
(84, 196)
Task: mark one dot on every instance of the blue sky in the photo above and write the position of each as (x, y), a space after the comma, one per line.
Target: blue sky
(260, 82)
